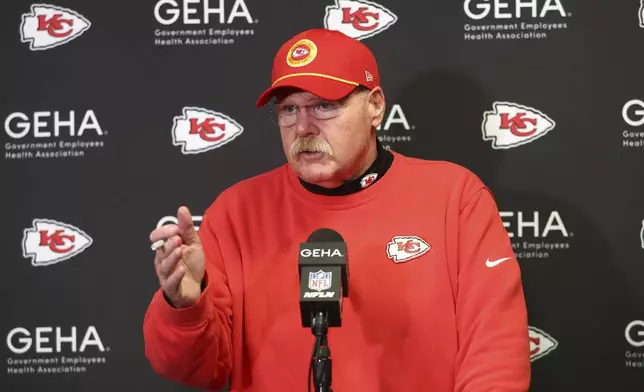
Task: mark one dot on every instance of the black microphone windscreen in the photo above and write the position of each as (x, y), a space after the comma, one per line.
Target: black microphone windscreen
(325, 235)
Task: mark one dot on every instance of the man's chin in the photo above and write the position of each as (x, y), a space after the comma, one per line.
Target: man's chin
(316, 173)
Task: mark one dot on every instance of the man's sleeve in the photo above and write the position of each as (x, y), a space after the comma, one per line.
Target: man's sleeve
(494, 346)
(193, 346)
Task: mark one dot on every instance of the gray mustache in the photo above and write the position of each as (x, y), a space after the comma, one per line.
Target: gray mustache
(310, 145)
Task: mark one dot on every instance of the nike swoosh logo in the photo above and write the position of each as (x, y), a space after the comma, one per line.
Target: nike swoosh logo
(494, 263)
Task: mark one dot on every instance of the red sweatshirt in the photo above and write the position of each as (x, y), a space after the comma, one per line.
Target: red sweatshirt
(450, 317)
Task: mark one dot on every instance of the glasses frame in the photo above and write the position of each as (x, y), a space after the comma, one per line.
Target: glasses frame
(273, 111)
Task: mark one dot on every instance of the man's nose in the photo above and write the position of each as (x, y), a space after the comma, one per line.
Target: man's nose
(303, 124)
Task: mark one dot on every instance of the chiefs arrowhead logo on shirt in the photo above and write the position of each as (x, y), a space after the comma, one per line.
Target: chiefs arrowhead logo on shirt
(511, 125)
(541, 344)
(50, 242)
(368, 180)
(405, 248)
(358, 19)
(48, 26)
(200, 130)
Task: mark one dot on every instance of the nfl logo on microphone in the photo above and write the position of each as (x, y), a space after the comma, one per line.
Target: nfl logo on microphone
(319, 280)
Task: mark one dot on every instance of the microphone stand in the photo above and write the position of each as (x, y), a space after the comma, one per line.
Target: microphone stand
(321, 359)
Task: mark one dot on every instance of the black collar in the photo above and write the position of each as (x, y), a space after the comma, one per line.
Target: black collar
(375, 172)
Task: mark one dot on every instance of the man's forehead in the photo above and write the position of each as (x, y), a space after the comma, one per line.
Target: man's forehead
(293, 94)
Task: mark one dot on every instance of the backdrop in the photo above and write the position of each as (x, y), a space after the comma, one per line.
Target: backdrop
(114, 113)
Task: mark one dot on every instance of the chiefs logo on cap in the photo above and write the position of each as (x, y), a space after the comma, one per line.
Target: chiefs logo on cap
(301, 53)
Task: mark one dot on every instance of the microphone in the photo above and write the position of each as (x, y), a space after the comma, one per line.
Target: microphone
(324, 277)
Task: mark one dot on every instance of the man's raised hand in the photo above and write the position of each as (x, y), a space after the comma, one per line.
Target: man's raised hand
(180, 262)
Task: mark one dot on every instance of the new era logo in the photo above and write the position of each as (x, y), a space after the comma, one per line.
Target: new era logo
(358, 19)
(199, 130)
(50, 242)
(511, 125)
(49, 26)
(405, 248)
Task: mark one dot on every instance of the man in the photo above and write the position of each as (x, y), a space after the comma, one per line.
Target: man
(436, 301)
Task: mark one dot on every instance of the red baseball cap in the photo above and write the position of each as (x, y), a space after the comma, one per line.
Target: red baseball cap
(324, 62)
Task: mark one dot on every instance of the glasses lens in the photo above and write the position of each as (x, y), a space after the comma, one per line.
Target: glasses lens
(325, 110)
(288, 121)
(287, 115)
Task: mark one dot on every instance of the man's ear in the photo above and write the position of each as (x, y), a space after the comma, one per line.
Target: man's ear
(376, 102)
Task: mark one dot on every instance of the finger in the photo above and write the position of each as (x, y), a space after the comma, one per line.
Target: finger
(157, 245)
(186, 226)
(158, 258)
(164, 232)
(172, 283)
(168, 246)
(168, 264)
(171, 244)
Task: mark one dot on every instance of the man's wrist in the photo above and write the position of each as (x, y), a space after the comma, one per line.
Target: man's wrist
(169, 302)
(188, 313)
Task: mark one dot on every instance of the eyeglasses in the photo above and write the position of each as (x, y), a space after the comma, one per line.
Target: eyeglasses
(288, 115)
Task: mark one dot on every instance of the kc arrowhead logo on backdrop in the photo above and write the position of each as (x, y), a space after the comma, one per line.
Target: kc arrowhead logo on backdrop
(641, 13)
(50, 242)
(358, 19)
(199, 130)
(48, 26)
(541, 344)
(511, 125)
(405, 248)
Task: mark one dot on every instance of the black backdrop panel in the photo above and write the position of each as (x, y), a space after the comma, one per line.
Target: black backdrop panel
(115, 113)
